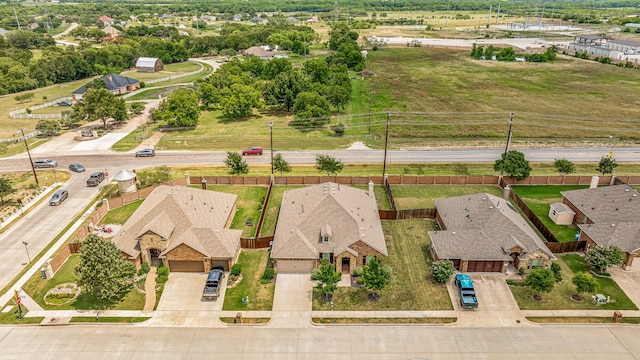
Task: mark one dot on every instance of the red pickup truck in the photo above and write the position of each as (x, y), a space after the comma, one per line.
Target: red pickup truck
(255, 150)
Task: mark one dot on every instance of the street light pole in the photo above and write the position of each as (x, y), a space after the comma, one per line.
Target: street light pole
(33, 168)
(27, 250)
(386, 142)
(506, 149)
(271, 136)
(55, 178)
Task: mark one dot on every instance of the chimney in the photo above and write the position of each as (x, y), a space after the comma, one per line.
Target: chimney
(371, 189)
(595, 179)
(506, 192)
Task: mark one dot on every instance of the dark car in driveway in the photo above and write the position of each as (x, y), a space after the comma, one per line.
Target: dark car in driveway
(145, 153)
(254, 150)
(76, 167)
(58, 197)
(95, 179)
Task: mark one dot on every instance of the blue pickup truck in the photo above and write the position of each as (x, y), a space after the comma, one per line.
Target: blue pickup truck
(468, 297)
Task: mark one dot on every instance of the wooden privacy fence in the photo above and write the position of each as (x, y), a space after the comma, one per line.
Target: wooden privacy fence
(61, 257)
(574, 246)
(256, 243)
(142, 193)
(546, 233)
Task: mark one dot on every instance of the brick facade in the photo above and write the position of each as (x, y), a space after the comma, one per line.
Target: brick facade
(186, 253)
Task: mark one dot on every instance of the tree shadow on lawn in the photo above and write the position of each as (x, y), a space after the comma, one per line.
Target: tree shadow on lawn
(230, 120)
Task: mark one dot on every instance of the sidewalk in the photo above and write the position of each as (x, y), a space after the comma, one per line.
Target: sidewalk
(7, 222)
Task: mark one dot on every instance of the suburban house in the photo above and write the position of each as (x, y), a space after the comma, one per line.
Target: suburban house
(105, 20)
(608, 216)
(116, 84)
(259, 52)
(600, 46)
(111, 31)
(327, 221)
(146, 64)
(188, 229)
(484, 233)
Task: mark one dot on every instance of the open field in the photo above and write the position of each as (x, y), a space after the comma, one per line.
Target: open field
(560, 297)
(411, 287)
(169, 70)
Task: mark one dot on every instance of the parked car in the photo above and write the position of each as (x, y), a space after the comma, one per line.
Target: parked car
(254, 150)
(212, 286)
(58, 197)
(95, 179)
(468, 297)
(44, 163)
(76, 167)
(145, 153)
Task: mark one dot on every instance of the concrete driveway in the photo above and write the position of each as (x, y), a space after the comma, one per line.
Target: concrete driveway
(496, 305)
(292, 301)
(183, 292)
(628, 281)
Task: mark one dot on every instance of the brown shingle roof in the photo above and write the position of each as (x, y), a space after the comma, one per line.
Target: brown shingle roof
(607, 204)
(192, 212)
(350, 214)
(258, 51)
(482, 227)
(625, 235)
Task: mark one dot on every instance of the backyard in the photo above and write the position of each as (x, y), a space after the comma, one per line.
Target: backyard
(121, 214)
(411, 287)
(422, 196)
(538, 198)
(37, 287)
(249, 205)
(253, 263)
(560, 297)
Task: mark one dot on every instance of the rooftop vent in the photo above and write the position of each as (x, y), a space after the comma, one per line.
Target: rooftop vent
(613, 225)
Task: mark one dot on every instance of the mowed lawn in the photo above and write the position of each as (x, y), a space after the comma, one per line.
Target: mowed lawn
(411, 287)
(560, 297)
(253, 263)
(249, 204)
(122, 214)
(422, 196)
(169, 70)
(538, 198)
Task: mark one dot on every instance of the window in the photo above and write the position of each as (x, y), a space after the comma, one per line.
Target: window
(584, 219)
(366, 259)
(532, 263)
(327, 256)
(325, 238)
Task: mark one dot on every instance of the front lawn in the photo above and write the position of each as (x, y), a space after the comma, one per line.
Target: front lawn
(260, 295)
(122, 214)
(411, 287)
(560, 297)
(539, 197)
(250, 199)
(36, 287)
(422, 196)
(11, 316)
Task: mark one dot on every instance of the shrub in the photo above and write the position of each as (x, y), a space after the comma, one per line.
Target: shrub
(442, 271)
(557, 271)
(521, 271)
(268, 274)
(163, 271)
(236, 269)
(515, 282)
(358, 271)
(144, 268)
(162, 279)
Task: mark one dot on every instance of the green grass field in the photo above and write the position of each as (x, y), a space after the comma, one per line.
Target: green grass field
(420, 197)
(169, 70)
(261, 295)
(122, 214)
(249, 203)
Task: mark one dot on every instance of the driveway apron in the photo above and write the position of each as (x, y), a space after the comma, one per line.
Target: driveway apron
(292, 301)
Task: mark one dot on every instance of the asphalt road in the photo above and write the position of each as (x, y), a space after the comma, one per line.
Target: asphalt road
(550, 342)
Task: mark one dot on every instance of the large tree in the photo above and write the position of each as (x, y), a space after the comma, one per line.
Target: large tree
(280, 164)
(515, 165)
(602, 258)
(606, 165)
(541, 280)
(375, 277)
(103, 272)
(311, 110)
(239, 100)
(328, 164)
(284, 89)
(327, 278)
(180, 109)
(235, 164)
(585, 283)
(564, 166)
(100, 104)
(48, 127)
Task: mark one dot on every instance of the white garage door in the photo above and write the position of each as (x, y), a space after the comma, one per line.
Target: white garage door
(295, 266)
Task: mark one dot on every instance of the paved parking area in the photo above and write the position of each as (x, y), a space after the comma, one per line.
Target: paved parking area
(496, 305)
(183, 292)
(292, 301)
(628, 281)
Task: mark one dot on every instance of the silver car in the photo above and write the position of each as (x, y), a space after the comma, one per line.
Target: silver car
(45, 163)
(58, 197)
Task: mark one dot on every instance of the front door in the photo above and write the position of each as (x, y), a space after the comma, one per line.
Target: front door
(346, 265)
(153, 255)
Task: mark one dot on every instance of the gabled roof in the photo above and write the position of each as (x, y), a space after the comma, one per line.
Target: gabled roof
(347, 214)
(258, 51)
(625, 235)
(562, 208)
(111, 30)
(112, 82)
(146, 62)
(607, 204)
(105, 18)
(181, 215)
(482, 227)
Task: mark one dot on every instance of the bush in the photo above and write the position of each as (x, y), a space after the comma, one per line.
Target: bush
(442, 271)
(144, 268)
(268, 274)
(358, 271)
(557, 271)
(163, 271)
(162, 279)
(236, 269)
(521, 271)
(515, 282)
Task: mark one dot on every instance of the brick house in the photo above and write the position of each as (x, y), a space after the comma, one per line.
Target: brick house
(258, 51)
(145, 64)
(607, 216)
(327, 221)
(188, 229)
(116, 84)
(111, 31)
(484, 233)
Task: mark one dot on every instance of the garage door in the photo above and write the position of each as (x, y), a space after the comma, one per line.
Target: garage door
(295, 266)
(484, 266)
(186, 266)
(220, 264)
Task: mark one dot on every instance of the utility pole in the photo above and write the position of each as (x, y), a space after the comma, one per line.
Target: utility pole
(35, 175)
(386, 142)
(498, 14)
(16, 14)
(369, 111)
(271, 136)
(197, 27)
(540, 19)
(489, 18)
(337, 11)
(506, 149)
(446, 16)
(304, 46)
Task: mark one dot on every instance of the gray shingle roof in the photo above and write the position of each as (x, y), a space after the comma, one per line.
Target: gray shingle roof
(350, 214)
(607, 204)
(625, 42)
(482, 227)
(625, 235)
(194, 217)
(112, 82)
(561, 208)
(258, 51)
